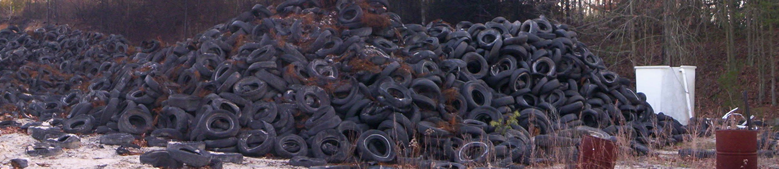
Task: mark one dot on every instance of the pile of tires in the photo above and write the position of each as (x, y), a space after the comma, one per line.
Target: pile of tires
(334, 83)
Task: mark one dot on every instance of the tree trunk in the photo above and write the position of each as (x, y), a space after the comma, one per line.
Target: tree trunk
(772, 54)
(632, 31)
(772, 62)
(666, 33)
(731, 35)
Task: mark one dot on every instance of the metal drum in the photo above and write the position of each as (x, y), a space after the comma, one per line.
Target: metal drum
(737, 149)
(596, 152)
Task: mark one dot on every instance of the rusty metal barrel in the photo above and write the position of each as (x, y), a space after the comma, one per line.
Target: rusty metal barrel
(597, 152)
(737, 149)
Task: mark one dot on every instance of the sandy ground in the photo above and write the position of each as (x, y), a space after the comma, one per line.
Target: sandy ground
(91, 154)
(94, 155)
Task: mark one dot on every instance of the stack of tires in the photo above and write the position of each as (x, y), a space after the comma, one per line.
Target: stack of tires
(322, 82)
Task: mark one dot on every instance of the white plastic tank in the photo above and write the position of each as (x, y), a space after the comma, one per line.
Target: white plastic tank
(670, 90)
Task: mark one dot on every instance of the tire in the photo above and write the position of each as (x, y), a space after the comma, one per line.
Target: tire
(250, 88)
(323, 119)
(259, 111)
(256, 143)
(426, 93)
(331, 146)
(351, 16)
(311, 98)
(537, 118)
(464, 154)
(304, 161)
(476, 94)
(160, 158)
(375, 145)
(175, 118)
(322, 70)
(160, 137)
(485, 114)
(427, 128)
(476, 65)
(487, 38)
(44, 149)
(393, 94)
(544, 66)
(217, 124)
(350, 130)
(288, 146)
(69, 141)
(82, 124)
(184, 102)
(135, 121)
(221, 143)
(192, 156)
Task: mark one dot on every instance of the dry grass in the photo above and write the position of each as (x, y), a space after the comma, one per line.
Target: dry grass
(361, 64)
(10, 130)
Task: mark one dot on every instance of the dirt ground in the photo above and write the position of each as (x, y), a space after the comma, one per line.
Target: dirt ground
(94, 155)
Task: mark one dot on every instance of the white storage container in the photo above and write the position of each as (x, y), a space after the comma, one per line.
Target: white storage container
(670, 90)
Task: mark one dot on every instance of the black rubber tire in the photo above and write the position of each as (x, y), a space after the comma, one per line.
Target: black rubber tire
(375, 145)
(427, 128)
(43, 149)
(304, 161)
(350, 130)
(426, 93)
(464, 155)
(476, 65)
(221, 143)
(184, 102)
(135, 121)
(544, 66)
(311, 98)
(161, 136)
(288, 146)
(487, 38)
(256, 143)
(351, 16)
(485, 114)
(82, 124)
(323, 119)
(538, 119)
(331, 146)
(160, 158)
(250, 88)
(190, 155)
(217, 124)
(69, 141)
(476, 94)
(393, 94)
(175, 118)
(259, 111)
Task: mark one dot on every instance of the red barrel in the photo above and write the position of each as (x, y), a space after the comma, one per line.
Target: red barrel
(737, 149)
(596, 153)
